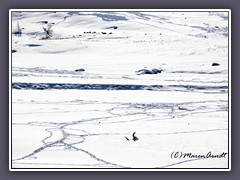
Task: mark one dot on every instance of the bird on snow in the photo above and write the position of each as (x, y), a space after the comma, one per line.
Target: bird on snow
(135, 138)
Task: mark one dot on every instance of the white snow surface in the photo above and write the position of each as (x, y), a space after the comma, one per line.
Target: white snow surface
(78, 94)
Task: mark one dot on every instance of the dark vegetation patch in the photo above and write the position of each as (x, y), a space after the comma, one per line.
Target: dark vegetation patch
(33, 45)
(215, 64)
(112, 27)
(80, 70)
(149, 71)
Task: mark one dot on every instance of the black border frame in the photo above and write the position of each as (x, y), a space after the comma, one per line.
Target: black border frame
(131, 169)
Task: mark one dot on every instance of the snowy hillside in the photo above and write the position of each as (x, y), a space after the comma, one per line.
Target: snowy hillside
(82, 86)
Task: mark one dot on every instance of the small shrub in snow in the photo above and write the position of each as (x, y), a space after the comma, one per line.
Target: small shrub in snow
(19, 30)
(48, 31)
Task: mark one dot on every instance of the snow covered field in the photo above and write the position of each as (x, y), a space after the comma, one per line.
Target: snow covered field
(81, 92)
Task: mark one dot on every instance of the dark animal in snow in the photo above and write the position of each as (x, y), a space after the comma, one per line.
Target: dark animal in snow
(135, 138)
